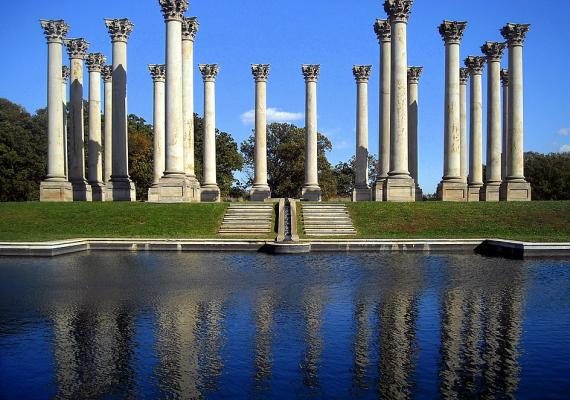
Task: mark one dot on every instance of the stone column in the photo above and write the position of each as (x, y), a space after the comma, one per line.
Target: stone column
(505, 146)
(260, 190)
(384, 34)
(95, 64)
(452, 187)
(64, 79)
(55, 187)
(311, 189)
(189, 30)
(494, 52)
(515, 187)
(399, 185)
(475, 66)
(158, 73)
(414, 74)
(120, 187)
(210, 190)
(361, 190)
(77, 50)
(108, 138)
(463, 78)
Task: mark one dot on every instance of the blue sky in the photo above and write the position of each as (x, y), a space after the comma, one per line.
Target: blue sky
(287, 33)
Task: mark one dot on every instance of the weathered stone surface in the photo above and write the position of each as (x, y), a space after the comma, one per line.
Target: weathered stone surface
(311, 190)
(452, 191)
(400, 189)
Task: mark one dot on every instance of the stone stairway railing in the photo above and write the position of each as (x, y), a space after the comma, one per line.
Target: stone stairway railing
(248, 219)
(321, 219)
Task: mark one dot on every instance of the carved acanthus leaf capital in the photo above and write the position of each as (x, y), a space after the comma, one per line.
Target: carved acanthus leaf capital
(452, 31)
(107, 73)
(65, 73)
(515, 34)
(190, 27)
(76, 48)
(493, 51)
(173, 10)
(361, 73)
(414, 74)
(209, 72)
(505, 77)
(475, 64)
(158, 72)
(463, 75)
(398, 10)
(311, 72)
(383, 30)
(260, 72)
(54, 30)
(95, 62)
(119, 29)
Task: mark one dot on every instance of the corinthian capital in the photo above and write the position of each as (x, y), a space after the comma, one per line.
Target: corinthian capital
(54, 30)
(311, 72)
(76, 48)
(173, 10)
(452, 31)
(398, 10)
(463, 75)
(119, 29)
(383, 30)
(515, 34)
(158, 72)
(260, 72)
(190, 27)
(475, 64)
(209, 72)
(107, 73)
(362, 73)
(65, 73)
(414, 74)
(493, 51)
(95, 62)
(505, 77)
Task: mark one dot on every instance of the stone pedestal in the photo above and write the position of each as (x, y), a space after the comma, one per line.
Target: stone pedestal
(361, 194)
(490, 192)
(173, 190)
(452, 191)
(311, 190)
(474, 193)
(210, 194)
(309, 193)
(515, 191)
(52, 191)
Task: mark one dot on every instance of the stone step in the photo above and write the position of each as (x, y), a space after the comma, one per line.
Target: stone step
(327, 220)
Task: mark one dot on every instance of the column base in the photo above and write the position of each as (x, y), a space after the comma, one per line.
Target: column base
(51, 191)
(419, 193)
(361, 194)
(260, 193)
(452, 191)
(400, 189)
(378, 193)
(98, 191)
(121, 190)
(474, 193)
(81, 190)
(210, 194)
(490, 192)
(180, 189)
(515, 191)
(311, 193)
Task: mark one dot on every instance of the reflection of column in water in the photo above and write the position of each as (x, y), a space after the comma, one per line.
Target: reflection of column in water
(512, 329)
(312, 309)
(65, 347)
(211, 318)
(451, 327)
(471, 358)
(263, 338)
(361, 345)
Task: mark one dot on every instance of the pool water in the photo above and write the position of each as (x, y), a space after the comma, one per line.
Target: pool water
(244, 325)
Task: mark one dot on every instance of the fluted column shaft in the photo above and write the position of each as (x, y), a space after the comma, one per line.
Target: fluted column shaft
(414, 74)
(64, 79)
(476, 131)
(505, 144)
(189, 30)
(108, 131)
(384, 34)
(362, 74)
(158, 75)
(95, 144)
(463, 78)
(452, 155)
(209, 126)
(311, 189)
(260, 189)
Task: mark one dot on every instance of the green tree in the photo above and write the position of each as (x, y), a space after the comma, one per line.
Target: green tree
(140, 154)
(549, 175)
(344, 173)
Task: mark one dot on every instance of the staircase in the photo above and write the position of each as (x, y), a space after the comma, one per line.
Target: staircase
(248, 219)
(321, 219)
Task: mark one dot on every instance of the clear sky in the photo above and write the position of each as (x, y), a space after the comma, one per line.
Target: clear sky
(287, 33)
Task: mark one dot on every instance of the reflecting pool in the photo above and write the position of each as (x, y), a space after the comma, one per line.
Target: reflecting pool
(207, 325)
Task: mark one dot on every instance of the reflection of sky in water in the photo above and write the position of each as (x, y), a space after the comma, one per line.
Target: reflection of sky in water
(197, 325)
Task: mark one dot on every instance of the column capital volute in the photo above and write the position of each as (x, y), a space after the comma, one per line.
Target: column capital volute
(190, 27)
(383, 30)
(505, 77)
(398, 10)
(65, 73)
(515, 34)
(493, 51)
(157, 72)
(475, 64)
(311, 72)
(119, 29)
(173, 10)
(452, 31)
(463, 75)
(414, 74)
(361, 73)
(76, 48)
(209, 72)
(55, 30)
(95, 62)
(260, 72)
(107, 73)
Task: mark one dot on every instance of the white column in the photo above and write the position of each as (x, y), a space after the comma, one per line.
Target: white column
(77, 51)
(95, 63)
(515, 188)
(108, 138)
(64, 79)
(210, 190)
(505, 145)
(452, 187)
(158, 73)
(55, 187)
(384, 34)
(463, 79)
(414, 74)
(120, 187)
(311, 189)
(399, 185)
(361, 190)
(494, 52)
(475, 66)
(260, 190)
